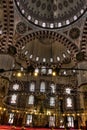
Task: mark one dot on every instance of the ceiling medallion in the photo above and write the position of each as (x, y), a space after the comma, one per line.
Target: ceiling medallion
(21, 28)
(74, 33)
(51, 14)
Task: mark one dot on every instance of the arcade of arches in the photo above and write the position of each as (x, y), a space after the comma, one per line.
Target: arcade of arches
(43, 63)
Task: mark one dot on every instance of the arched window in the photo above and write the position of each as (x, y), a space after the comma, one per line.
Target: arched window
(53, 88)
(42, 86)
(52, 101)
(11, 118)
(52, 121)
(69, 102)
(29, 120)
(32, 86)
(13, 98)
(31, 100)
(70, 120)
(49, 71)
(43, 70)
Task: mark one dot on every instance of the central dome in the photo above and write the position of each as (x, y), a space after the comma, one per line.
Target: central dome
(51, 13)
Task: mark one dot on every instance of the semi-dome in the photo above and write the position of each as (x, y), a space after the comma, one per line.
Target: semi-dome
(46, 48)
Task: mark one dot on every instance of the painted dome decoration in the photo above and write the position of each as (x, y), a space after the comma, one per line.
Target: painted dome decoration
(51, 13)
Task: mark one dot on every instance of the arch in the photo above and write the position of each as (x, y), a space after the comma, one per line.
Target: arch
(46, 34)
(8, 29)
(84, 39)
